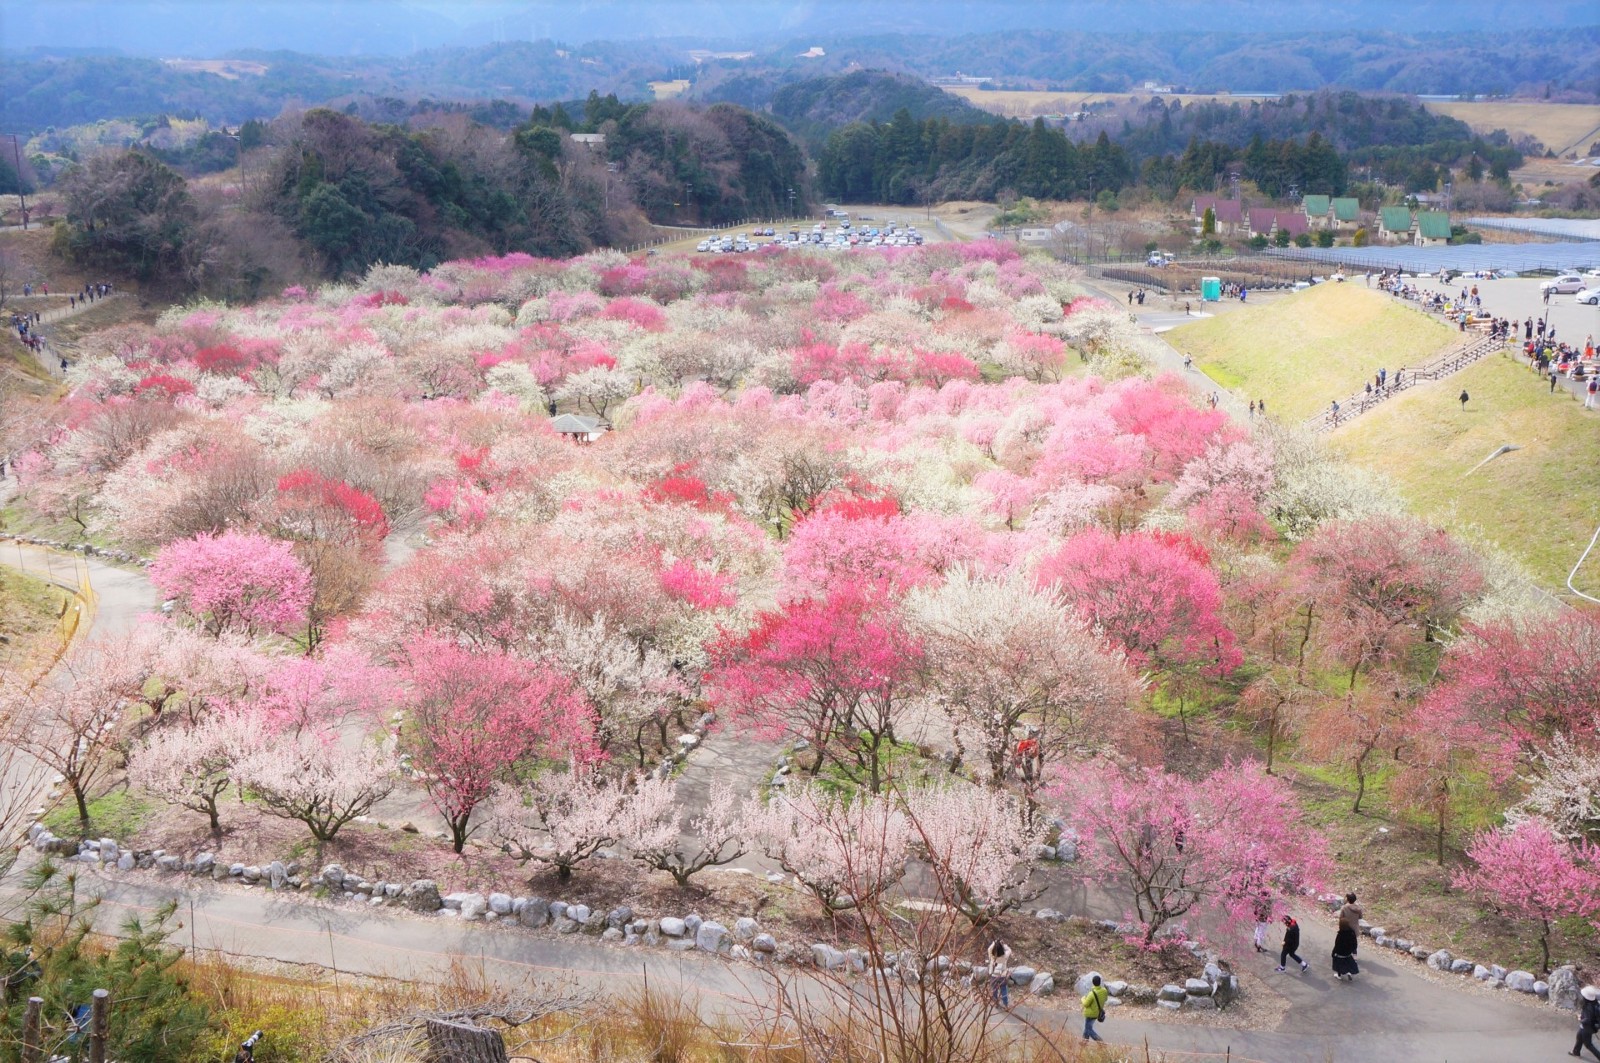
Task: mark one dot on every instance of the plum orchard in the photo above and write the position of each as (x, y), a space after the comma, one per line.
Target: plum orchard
(924, 509)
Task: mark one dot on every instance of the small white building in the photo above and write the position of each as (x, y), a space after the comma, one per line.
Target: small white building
(579, 428)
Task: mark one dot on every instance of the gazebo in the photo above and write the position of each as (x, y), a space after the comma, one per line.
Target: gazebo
(578, 427)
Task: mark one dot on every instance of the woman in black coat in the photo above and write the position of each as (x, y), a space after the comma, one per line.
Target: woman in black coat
(1345, 967)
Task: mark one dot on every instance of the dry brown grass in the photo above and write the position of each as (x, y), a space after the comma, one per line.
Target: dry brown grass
(1561, 127)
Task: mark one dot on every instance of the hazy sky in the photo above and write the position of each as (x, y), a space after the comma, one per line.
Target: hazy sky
(211, 27)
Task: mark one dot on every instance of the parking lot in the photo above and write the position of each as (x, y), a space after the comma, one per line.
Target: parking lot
(838, 234)
(1518, 298)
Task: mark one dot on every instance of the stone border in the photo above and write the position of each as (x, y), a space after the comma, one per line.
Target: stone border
(86, 549)
(1561, 991)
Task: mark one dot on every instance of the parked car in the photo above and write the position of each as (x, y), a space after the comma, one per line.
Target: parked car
(703, 245)
(1590, 296)
(1565, 284)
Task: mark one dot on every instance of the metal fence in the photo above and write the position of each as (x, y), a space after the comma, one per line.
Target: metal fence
(672, 233)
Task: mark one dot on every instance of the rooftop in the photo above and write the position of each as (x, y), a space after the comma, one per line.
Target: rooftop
(1396, 219)
(1433, 225)
(1346, 208)
(1315, 206)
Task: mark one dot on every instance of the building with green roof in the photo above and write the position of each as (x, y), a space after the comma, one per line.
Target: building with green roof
(1394, 225)
(1316, 208)
(1433, 228)
(1346, 212)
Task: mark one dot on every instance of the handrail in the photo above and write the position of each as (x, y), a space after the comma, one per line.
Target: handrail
(1452, 361)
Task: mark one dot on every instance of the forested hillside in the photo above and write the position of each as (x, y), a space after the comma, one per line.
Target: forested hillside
(325, 194)
(1308, 142)
(812, 108)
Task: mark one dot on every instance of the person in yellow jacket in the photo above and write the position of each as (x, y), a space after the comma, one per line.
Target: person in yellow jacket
(1094, 1009)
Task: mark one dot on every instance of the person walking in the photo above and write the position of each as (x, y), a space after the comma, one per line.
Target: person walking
(1094, 1009)
(999, 973)
(1291, 946)
(1347, 941)
(1465, 398)
(1590, 392)
(1588, 1022)
(1555, 375)
(1263, 914)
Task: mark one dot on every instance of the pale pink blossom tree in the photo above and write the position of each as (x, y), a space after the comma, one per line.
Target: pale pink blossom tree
(1000, 656)
(844, 852)
(1182, 846)
(560, 819)
(315, 779)
(192, 767)
(1531, 875)
(653, 830)
(980, 844)
(236, 581)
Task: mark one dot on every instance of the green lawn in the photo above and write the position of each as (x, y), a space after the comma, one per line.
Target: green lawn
(1299, 352)
(1540, 503)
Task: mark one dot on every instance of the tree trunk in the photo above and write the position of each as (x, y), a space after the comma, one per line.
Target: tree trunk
(83, 805)
(1361, 782)
(211, 814)
(458, 831)
(1544, 944)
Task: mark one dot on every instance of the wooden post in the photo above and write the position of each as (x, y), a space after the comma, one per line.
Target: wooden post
(459, 1042)
(31, 1048)
(99, 1025)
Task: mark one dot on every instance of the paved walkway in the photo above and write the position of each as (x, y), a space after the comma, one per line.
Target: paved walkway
(1393, 1015)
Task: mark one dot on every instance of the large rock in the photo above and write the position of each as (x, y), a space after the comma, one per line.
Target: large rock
(277, 875)
(579, 913)
(500, 903)
(1481, 973)
(1048, 915)
(1116, 987)
(1521, 981)
(745, 928)
(108, 851)
(1170, 992)
(711, 937)
(691, 923)
(1227, 990)
(1197, 987)
(1564, 986)
(535, 912)
(619, 917)
(1497, 972)
(332, 876)
(565, 924)
(473, 905)
(1086, 982)
(764, 943)
(1441, 960)
(422, 896)
(1021, 975)
(1042, 984)
(204, 863)
(1459, 966)
(826, 956)
(673, 927)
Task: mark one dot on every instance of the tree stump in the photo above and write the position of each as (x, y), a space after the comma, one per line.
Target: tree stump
(458, 1042)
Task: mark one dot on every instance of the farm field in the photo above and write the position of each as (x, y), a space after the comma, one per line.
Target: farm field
(1302, 351)
(1562, 127)
(1021, 103)
(1528, 501)
(666, 90)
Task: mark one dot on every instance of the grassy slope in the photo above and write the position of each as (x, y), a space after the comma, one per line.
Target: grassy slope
(29, 609)
(1539, 502)
(1300, 351)
(1557, 125)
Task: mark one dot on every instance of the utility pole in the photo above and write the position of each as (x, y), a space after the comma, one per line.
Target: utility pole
(16, 156)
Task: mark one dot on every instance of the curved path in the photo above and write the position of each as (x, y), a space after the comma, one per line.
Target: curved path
(1392, 1015)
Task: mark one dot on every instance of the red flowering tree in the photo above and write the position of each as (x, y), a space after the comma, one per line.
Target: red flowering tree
(475, 716)
(833, 670)
(1531, 875)
(1383, 584)
(1153, 594)
(1524, 686)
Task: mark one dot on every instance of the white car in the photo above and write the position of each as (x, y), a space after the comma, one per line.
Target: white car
(1565, 284)
(703, 245)
(1590, 296)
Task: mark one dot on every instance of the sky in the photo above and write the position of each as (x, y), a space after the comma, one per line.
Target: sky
(205, 28)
